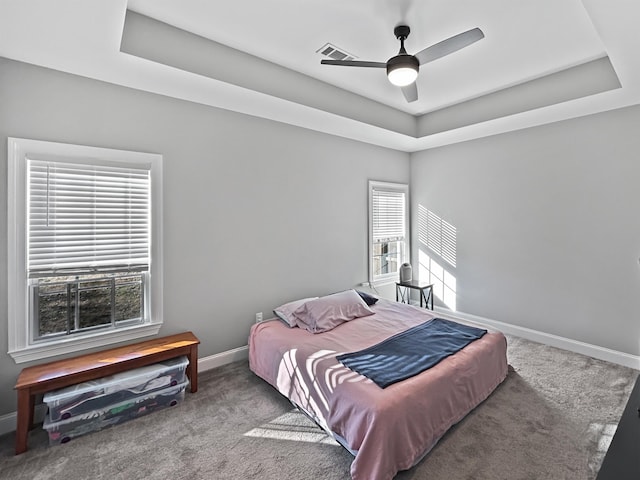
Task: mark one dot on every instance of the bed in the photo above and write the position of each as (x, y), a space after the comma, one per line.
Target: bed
(387, 430)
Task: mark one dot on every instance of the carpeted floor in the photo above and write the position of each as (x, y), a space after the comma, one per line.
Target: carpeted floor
(551, 419)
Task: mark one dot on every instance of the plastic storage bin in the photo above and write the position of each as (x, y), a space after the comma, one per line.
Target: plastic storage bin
(91, 396)
(120, 412)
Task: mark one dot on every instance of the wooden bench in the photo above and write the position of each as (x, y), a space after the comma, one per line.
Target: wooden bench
(43, 378)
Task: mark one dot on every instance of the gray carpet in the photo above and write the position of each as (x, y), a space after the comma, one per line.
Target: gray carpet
(551, 419)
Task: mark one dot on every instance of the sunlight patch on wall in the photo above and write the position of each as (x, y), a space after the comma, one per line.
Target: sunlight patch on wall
(437, 239)
(444, 284)
(437, 234)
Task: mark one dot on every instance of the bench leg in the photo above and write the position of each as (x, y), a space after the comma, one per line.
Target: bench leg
(25, 419)
(192, 369)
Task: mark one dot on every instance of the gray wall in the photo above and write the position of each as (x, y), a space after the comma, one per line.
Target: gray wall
(256, 212)
(548, 235)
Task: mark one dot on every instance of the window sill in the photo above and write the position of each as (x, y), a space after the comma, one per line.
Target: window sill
(381, 282)
(43, 350)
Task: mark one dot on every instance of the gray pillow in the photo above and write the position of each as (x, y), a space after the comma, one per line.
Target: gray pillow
(324, 313)
(285, 312)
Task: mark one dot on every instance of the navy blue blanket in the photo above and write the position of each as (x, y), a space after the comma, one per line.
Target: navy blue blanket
(410, 352)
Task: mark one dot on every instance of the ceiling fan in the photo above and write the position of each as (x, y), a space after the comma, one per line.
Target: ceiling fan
(402, 70)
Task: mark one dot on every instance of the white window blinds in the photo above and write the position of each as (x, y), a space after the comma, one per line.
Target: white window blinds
(388, 218)
(87, 217)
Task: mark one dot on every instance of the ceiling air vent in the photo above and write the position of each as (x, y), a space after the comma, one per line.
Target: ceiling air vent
(335, 53)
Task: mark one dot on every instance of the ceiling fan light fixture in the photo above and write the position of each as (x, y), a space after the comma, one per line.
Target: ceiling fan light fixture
(402, 70)
(402, 76)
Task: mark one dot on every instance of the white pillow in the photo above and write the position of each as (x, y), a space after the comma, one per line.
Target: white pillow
(285, 312)
(324, 313)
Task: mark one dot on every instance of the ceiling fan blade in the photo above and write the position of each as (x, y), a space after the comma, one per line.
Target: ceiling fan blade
(410, 92)
(354, 63)
(450, 45)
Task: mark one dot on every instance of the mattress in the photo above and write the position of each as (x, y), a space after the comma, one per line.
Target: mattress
(390, 429)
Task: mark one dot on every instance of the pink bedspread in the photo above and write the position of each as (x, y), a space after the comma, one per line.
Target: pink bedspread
(388, 429)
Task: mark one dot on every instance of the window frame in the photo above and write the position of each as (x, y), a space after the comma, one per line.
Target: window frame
(388, 278)
(21, 347)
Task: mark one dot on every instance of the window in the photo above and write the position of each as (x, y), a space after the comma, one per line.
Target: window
(84, 247)
(388, 230)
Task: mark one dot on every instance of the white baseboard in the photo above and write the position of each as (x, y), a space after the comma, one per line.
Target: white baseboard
(219, 359)
(8, 421)
(602, 353)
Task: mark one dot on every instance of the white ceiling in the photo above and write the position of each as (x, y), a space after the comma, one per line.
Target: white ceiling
(524, 40)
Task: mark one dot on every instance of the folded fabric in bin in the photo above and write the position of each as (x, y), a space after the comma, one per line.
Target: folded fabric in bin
(137, 383)
(152, 384)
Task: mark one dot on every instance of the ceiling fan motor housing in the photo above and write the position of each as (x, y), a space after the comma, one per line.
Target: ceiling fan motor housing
(401, 32)
(403, 60)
